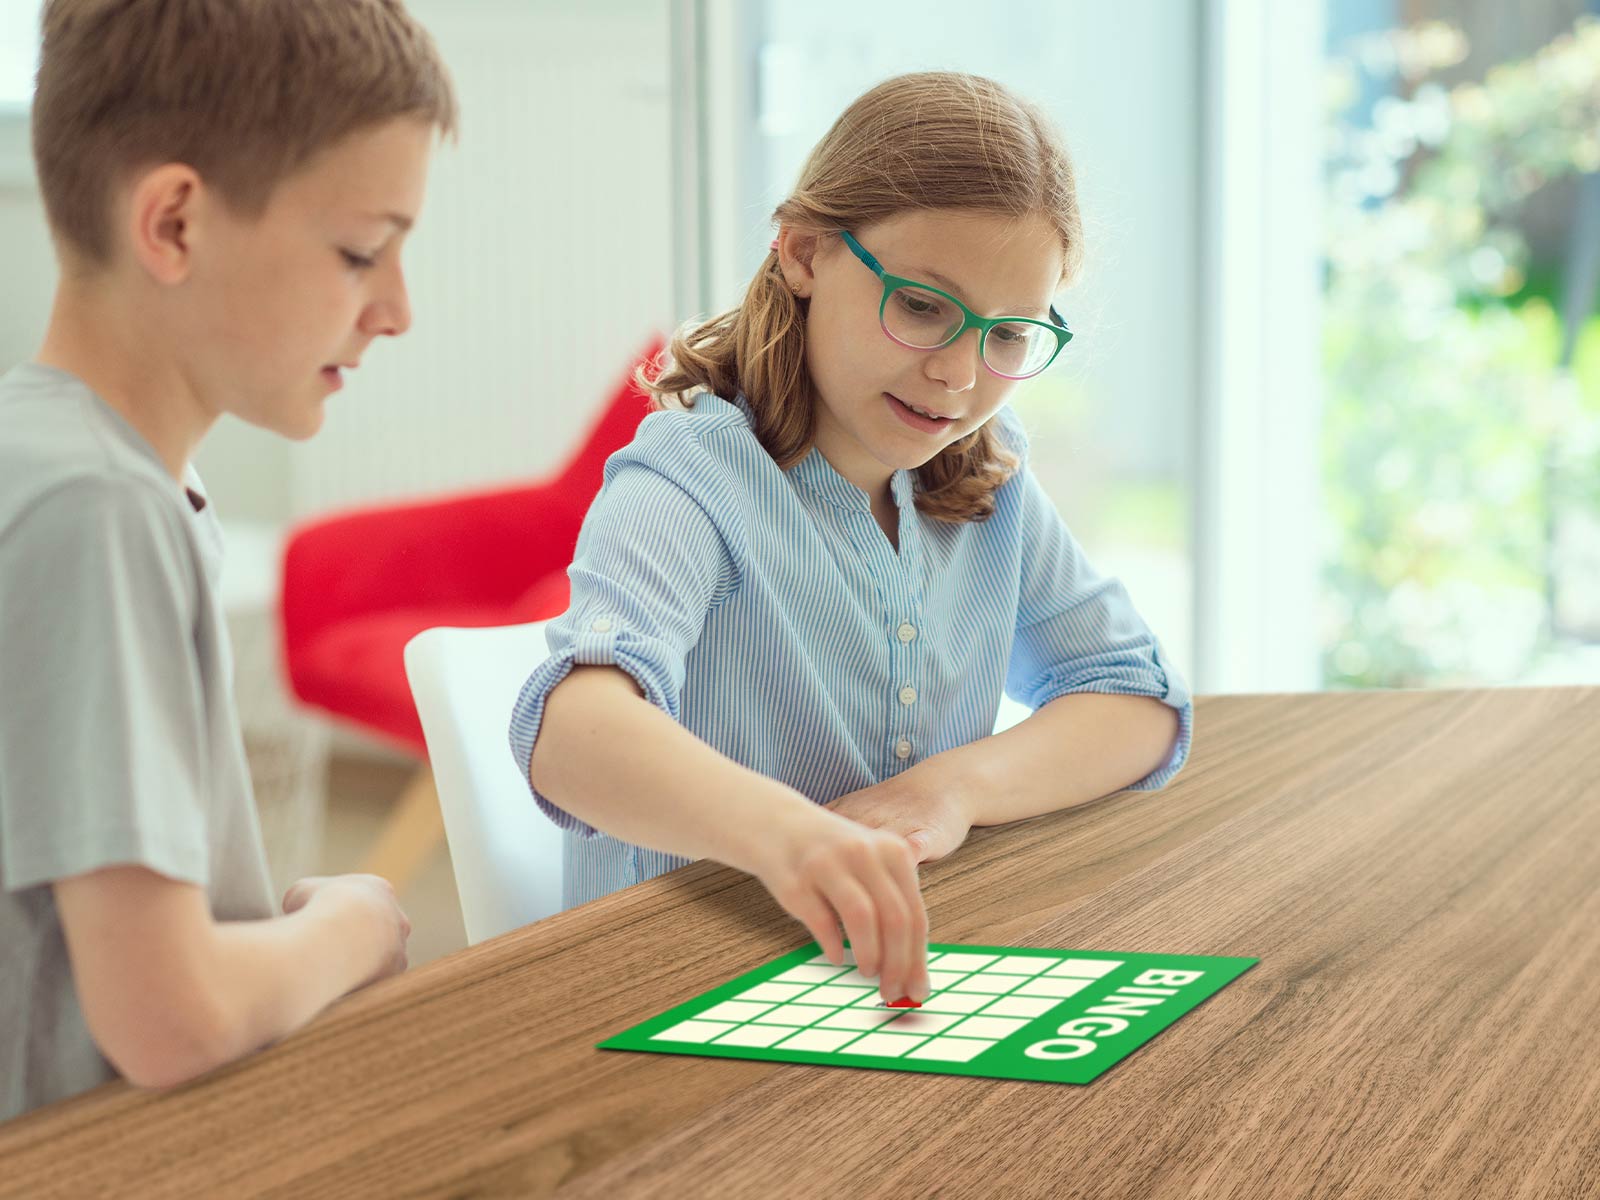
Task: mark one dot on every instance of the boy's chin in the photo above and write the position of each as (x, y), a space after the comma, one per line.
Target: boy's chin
(297, 422)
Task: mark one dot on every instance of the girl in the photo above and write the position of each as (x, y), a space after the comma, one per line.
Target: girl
(803, 586)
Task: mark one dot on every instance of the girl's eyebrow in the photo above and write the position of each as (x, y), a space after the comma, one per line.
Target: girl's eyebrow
(955, 289)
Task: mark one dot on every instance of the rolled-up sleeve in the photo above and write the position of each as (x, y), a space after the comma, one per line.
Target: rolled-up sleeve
(1077, 630)
(653, 559)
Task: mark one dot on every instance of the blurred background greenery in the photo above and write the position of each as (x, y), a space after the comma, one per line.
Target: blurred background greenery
(1461, 436)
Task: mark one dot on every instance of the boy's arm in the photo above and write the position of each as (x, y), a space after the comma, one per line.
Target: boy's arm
(169, 993)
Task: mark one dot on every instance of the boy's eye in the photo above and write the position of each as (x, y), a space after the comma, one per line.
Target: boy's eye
(360, 262)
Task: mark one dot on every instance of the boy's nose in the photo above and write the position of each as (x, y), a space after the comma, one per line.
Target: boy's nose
(390, 314)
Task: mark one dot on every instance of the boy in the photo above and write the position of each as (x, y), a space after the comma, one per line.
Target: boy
(228, 183)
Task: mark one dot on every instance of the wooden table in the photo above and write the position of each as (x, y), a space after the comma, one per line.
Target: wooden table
(1419, 874)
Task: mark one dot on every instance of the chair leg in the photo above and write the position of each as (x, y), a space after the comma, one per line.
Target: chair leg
(411, 833)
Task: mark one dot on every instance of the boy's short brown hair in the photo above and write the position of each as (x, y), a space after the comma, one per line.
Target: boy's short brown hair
(243, 91)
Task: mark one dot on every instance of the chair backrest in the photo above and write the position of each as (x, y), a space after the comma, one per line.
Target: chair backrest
(505, 852)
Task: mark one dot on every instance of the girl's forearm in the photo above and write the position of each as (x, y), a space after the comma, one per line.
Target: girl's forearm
(1074, 749)
(609, 757)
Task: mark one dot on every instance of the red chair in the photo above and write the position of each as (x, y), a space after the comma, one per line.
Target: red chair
(357, 586)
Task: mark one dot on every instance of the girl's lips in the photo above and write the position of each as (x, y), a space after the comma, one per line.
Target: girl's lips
(332, 377)
(915, 419)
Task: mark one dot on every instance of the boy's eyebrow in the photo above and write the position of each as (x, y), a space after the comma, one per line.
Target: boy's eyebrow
(400, 220)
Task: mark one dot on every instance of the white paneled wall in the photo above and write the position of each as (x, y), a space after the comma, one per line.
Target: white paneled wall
(543, 257)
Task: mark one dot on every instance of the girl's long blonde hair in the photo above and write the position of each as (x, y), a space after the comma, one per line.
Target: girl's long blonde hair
(926, 141)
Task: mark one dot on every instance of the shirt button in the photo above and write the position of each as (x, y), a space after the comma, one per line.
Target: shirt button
(908, 695)
(601, 625)
(906, 632)
(902, 749)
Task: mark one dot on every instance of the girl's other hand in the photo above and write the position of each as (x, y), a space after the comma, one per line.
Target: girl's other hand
(931, 820)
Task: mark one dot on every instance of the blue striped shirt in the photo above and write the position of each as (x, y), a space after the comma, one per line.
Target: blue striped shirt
(766, 612)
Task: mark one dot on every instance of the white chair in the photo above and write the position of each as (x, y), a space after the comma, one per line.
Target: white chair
(506, 853)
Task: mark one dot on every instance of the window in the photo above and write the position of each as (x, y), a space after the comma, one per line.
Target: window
(1461, 346)
(19, 54)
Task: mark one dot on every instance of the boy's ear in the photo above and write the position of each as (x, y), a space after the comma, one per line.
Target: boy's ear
(163, 206)
(797, 251)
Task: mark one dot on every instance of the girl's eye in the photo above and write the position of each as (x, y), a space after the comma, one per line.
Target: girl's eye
(359, 262)
(918, 305)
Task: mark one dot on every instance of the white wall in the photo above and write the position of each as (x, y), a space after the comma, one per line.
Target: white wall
(543, 257)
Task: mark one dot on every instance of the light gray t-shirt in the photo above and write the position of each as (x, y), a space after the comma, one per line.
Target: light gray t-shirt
(119, 738)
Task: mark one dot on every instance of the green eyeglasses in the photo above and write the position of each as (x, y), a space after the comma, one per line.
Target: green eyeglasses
(921, 317)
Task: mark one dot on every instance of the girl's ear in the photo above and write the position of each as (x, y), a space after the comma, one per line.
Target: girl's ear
(797, 248)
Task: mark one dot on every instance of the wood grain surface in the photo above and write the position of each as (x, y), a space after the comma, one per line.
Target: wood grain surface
(1419, 873)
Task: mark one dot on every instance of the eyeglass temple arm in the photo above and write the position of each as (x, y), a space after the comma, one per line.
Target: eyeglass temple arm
(860, 252)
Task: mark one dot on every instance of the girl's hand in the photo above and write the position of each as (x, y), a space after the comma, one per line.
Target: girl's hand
(827, 871)
(932, 820)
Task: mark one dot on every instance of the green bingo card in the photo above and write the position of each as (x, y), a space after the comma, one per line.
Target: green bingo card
(1001, 1012)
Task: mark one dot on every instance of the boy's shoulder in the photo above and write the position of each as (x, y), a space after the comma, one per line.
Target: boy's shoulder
(66, 456)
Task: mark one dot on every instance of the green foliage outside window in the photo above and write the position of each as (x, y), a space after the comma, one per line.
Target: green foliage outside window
(1456, 446)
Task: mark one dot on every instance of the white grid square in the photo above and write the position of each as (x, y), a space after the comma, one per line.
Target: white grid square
(808, 973)
(754, 1035)
(830, 994)
(774, 993)
(794, 1014)
(985, 982)
(988, 1027)
(733, 1010)
(956, 1002)
(964, 962)
(1021, 964)
(819, 1039)
(854, 978)
(921, 1022)
(691, 1031)
(859, 1018)
(1045, 986)
(1020, 1006)
(949, 1049)
(1085, 968)
(884, 1045)
(939, 980)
